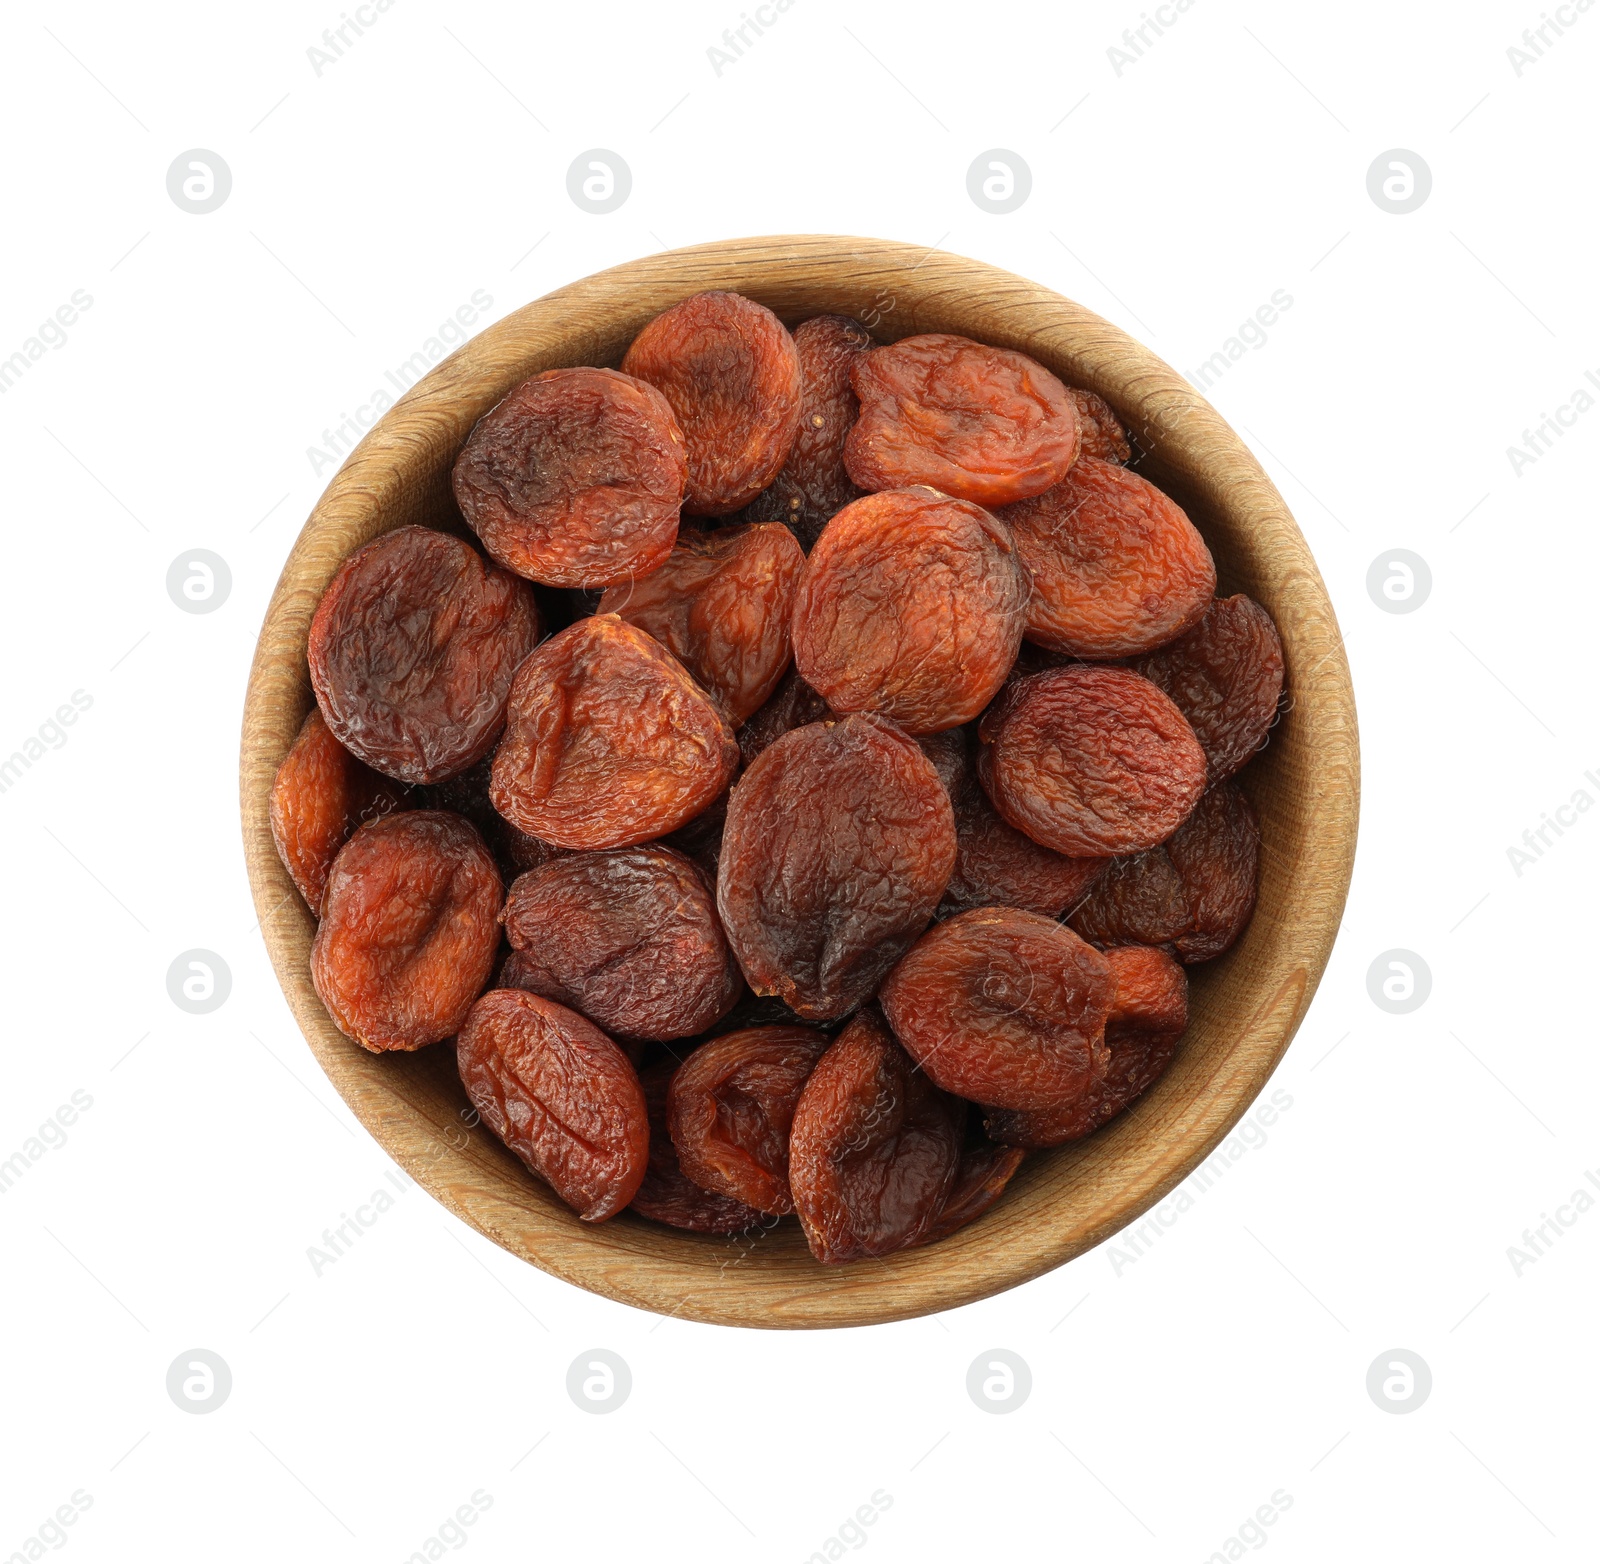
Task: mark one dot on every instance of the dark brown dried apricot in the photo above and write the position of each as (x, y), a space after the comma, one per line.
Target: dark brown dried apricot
(912, 605)
(981, 1178)
(997, 866)
(1117, 567)
(410, 927)
(813, 485)
(560, 1094)
(839, 843)
(412, 651)
(794, 704)
(980, 423)
(628, 938)
(721, 605)
(1225, 676)
(1002, 1006)
(1090, 762)
(1100, 431)
(608, 740)
(730, 1107)
(575, 477)
(731, 373)
(874, 1148)
(950, 752)
(319, 796)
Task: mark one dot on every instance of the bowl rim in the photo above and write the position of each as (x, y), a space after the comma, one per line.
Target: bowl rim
(1064, 1202)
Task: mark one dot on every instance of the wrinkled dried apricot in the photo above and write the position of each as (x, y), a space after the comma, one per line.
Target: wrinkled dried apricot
(412, 650)
(839, 843)
(730, 1108)
(950, 754)
(1002, 1006)
(1090, 762)
(410, 926)
(608, 740)
(1117, 567)
(794, 704)
(874, 1148)
(1100, 431)
(1225, 676)
(574, 478)
(729, 368)
(980, 423)
(981, 1178)
(560, 1094)
(912, 605)
(319, 796)
(628, 938)
(813, 484)
(721, 605)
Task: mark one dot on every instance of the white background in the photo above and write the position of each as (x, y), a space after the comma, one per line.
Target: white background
(1171, 1396)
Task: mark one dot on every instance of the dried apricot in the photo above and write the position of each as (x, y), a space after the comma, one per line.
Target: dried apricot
(1117, 567)
(839, 843)
(1090, 762)
(912, 605)
(575, 477)
(608, 740)
(981, 1178)
(794, 704)
(874, 1148)
(1002, 1006)
(1100, 431)
(950, 754)
(729, 368)
(410, 926)
(721, 605)
(730, 1107)
(560, 1094)
(319, 796)
(412, 651)
(629, 938)
(1225, 676)
(813, 484)
(980, 423)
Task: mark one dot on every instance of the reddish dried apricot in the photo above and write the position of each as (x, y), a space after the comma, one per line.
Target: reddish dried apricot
(667, 1194)
(813, 484)
(1090, 762)
(839, 844)
(1149, 991)
(873, 1150)
(721, 605)
(731, 373)
(574, 478)
(981, 1178)
(319, 796)
(997, 866)
(1117, 567)
(412, 650)
(608, 740)
(950, 754)
(560, 1094)
(1100, 431)
(410, 926)
(794, 704)
(730, 1108)
(1002, 1006)
(629, 938)
(911, 605)
(981, 423)
(1225, 676)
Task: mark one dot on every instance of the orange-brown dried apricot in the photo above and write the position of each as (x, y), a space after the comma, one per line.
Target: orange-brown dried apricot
(319, 796)
(1002, 1006)
(410, 927)
(874, 1148)
(1117, 567)
(412, 651)
(980, 423)
(721, 605)
(731, 373)
(608, 740)
(839, 843)
(1100, 431)
(912, 605)
(1090, 762)
(794, 704)
(574, 479)
(560, 1094)
(629, 938)
(730, 1108)
(1225, 676)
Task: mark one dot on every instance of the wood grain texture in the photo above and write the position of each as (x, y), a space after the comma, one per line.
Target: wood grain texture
(1245, 1007)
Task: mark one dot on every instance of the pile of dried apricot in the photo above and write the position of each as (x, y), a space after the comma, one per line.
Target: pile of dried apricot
(807, 799)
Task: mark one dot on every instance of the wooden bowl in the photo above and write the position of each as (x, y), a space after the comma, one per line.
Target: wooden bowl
(1245, 1007)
